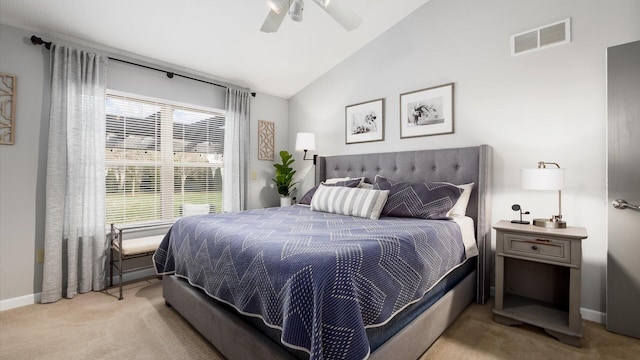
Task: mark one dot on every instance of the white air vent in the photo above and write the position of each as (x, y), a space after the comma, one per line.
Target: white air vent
(543, 37)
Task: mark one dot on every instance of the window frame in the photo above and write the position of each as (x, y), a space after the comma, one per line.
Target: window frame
(165, 162)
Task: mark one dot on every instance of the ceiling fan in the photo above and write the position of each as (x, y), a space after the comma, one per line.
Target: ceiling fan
(335, 8)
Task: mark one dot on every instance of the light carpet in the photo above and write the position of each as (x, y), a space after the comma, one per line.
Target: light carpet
(98, 326)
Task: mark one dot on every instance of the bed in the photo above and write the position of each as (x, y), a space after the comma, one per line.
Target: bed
(397, 326)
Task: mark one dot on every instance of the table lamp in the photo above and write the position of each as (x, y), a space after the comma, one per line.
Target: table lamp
(544, 178)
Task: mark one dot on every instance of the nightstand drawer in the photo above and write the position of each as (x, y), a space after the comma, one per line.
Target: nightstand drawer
(538, 247)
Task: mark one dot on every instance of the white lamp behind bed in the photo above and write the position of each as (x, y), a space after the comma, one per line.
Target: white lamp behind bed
(304, 142)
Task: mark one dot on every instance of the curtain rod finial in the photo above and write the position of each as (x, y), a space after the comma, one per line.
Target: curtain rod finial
(38, 41)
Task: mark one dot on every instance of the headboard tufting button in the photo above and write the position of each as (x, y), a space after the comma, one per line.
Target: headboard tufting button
(433, 168)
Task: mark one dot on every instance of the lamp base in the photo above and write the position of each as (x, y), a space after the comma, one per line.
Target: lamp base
(550, 223)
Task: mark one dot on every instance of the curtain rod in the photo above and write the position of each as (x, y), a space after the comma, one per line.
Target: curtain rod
(38, 41)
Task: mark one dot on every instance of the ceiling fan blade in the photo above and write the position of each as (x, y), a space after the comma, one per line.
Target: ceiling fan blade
(342, 14)
(273, 20)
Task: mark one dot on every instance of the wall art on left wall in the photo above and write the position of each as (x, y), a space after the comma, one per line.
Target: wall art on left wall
(266, 139)
(7, 108)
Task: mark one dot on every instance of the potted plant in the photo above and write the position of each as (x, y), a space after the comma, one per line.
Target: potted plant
(284, 178)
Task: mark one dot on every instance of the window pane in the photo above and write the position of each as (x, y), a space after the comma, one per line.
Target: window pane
(133, 194)
(149, 179)
(198, 142)
(198, 186)
(198, 132)
(132, 124)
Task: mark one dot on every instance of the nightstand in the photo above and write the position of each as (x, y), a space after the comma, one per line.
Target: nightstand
(538, 278)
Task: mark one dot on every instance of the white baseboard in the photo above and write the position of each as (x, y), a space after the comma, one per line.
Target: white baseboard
(592, 315)
(25, 300)
(20, 301)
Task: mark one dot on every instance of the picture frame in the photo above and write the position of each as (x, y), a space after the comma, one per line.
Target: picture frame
(364, 122)
(427, 112)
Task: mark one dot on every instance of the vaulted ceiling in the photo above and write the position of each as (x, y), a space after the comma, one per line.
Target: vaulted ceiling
(220, 38)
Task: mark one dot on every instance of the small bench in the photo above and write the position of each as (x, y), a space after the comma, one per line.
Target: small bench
(143, 246)
(123, 250)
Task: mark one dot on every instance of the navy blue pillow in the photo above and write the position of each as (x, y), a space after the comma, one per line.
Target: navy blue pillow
(419, 200)
(351, 183)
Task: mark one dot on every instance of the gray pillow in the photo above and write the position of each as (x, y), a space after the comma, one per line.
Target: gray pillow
(431, 200)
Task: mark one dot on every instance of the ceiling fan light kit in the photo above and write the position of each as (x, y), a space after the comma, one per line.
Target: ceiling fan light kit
(295, 11)
(340, 12)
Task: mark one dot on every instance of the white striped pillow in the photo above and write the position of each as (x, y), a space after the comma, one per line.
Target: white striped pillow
(364, 203)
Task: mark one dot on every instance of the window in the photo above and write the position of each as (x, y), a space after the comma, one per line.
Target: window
(161, 156)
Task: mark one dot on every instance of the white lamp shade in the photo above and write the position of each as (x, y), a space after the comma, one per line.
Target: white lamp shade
(542, 179)
(305, 141)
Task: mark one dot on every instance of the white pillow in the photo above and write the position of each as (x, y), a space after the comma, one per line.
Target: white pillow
(195, 209)
(364, 203)
(335, 180)
(460, 208)
(365, 185)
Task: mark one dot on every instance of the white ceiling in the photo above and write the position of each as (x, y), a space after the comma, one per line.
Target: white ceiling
(221, 38)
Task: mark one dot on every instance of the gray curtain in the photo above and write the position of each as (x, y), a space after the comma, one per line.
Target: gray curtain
(236, 149)
(75, 242)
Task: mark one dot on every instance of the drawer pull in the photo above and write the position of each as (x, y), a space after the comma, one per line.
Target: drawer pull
(545, 243)
(534, 247)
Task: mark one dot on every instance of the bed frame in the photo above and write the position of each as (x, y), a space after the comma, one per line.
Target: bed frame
(236, 339)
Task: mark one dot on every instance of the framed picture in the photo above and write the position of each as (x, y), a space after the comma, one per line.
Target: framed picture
(427, 112)
(364, 122)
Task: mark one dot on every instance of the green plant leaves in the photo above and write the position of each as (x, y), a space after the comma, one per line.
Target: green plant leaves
(284, 174)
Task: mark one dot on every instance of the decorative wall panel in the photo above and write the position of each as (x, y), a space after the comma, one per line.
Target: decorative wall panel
(266, 136)
(7, 108)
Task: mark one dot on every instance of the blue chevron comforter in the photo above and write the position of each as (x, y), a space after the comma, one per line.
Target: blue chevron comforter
(321, 278)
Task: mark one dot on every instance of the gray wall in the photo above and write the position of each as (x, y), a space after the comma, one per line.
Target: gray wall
(22, 168)
(547, 105)
(262, 192)
(23, 165)
(542, 106)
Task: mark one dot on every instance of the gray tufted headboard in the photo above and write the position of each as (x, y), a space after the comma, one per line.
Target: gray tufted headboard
(457, 166)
